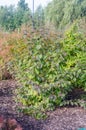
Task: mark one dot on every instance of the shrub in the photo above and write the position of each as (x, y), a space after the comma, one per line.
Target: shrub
(74, 64)
(36, 67)
(48, 70)
(5, 56)
(74, 47)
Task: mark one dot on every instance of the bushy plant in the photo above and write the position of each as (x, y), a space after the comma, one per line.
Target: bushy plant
(48, 70)
(74, 65)
(74, 47)
(5, 53)
(36, 67)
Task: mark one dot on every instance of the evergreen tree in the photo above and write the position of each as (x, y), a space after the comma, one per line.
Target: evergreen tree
(23, 5)
(12, 18)
(7, 17)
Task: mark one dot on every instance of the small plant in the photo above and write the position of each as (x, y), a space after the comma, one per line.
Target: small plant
(9, 124)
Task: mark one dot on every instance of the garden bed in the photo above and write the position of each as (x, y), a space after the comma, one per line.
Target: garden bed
(70, 118)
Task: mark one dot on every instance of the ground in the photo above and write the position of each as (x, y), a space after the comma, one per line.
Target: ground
(60, 119)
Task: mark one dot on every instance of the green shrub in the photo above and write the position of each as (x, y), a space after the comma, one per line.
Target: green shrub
(48, 70)
(74, 47)
(36, 67)
(74, 65)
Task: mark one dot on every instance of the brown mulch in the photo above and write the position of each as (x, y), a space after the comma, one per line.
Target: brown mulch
(60, 119)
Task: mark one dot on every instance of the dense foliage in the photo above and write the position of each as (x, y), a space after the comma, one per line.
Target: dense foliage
(58, 13)
(64, 12)
(12, 18)
(47, 65)
(34, 68)
(48, 69)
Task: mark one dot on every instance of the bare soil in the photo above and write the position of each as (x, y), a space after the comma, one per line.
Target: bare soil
(60, 119)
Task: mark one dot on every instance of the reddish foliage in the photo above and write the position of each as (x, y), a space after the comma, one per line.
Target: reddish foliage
(9, 124)
(1, 121)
